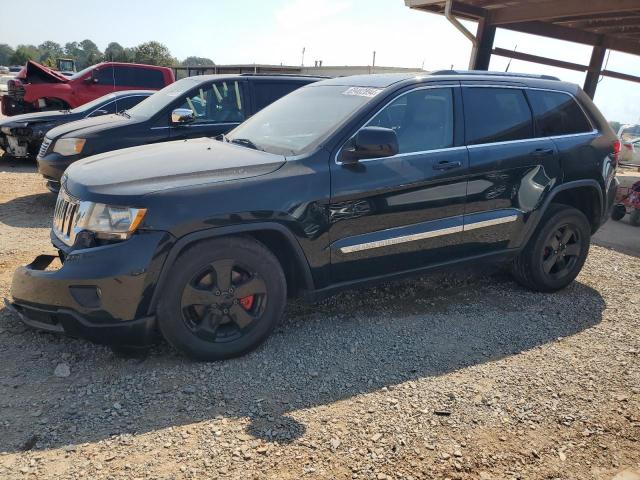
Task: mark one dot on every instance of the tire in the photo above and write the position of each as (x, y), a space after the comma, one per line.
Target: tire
(634, 218)
(549, 263)
(204, 313)
(618, 212)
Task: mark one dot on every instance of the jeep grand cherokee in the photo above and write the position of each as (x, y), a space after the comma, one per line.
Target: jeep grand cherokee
(343, 181)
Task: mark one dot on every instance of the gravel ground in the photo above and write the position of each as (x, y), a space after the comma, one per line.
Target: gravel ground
(462, 376)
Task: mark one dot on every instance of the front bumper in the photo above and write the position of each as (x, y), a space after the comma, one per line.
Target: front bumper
(53, 165)
(101, 293)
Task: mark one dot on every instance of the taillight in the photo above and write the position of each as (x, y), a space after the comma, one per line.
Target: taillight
(617, 146)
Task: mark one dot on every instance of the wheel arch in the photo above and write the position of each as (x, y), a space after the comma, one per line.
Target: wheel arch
(585, 195)
(276, 237)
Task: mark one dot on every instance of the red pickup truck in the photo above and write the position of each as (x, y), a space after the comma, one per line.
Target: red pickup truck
(38, 88)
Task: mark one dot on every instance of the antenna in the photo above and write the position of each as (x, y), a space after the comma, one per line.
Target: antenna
(509, 64)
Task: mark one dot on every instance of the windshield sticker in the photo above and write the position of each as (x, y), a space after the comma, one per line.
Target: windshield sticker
(362, 91)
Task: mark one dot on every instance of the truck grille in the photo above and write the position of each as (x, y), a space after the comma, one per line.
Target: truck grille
(44, 148)
(65, 217)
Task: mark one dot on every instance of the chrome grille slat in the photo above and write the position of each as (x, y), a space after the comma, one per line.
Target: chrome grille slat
(44, 148)
(64, 217)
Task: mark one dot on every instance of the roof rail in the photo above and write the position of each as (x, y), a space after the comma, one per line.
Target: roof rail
(278, 74)
(493, 74)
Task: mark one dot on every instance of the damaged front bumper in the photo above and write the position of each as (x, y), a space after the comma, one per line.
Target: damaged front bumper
(20, 142)
(100, 293)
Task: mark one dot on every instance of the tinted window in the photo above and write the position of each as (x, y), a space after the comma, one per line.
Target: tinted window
(104, 75)
(496, 115)
(219, 102)
(138, 77)
(268, 92)
(423, 119)
(557, 114)
(104, 110)
(129, 102)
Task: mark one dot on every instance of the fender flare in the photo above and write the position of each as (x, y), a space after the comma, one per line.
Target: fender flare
(184, 242)
(537, 215)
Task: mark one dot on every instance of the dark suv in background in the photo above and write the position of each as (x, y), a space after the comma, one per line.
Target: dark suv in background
(199, 106)
(344, 181)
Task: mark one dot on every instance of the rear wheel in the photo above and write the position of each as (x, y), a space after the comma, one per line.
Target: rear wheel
(557, 251)
(618, 213)
(223, 299)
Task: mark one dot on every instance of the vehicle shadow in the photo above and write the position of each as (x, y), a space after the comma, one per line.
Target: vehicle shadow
(357, 342)
(17, 165)
(30, 211)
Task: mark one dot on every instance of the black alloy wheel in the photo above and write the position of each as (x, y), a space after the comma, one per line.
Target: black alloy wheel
(222, 299)
(561, 251)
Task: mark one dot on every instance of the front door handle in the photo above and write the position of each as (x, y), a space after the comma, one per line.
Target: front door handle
(446, 165)
(542, 152)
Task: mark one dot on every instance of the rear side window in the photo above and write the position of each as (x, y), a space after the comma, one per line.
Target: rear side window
(128, 102)
(268, 92)
(138, 77)
(557, 114)
(496, 115)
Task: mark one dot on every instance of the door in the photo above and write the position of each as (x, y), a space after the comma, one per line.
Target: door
(402, 212)
(510, 167)
(218, 107)
(95, 84)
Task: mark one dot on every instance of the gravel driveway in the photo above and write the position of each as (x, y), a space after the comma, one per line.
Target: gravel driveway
(463, 376)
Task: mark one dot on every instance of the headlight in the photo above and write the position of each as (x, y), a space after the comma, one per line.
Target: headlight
(69, 146)
(109, 222)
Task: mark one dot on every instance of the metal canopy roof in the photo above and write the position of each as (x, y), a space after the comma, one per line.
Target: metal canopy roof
(612, 24)
(602, 24)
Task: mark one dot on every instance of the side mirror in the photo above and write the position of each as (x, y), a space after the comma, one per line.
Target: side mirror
(371, 142)
(182, 116)
(92, 79)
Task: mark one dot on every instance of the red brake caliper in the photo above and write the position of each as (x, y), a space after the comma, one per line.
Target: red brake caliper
(247, 302)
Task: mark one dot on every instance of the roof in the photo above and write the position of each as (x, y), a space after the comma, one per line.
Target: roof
(376, 80)
(613, 24)
(126, 93)
(227, 76)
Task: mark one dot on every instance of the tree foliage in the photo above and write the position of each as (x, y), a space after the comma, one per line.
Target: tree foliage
(198, 62)
(5, 54)
(153, 53)
(24, 53)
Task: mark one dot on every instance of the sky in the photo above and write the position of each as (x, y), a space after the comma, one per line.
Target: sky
(338, 32)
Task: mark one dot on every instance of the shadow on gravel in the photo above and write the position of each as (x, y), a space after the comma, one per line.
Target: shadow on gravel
(30, 211)
(17, 165)
(358, 342)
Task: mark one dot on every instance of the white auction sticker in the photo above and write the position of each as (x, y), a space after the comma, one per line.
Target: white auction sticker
(362, 91)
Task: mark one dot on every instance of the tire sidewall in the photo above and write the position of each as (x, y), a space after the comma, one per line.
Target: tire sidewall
(253, 255)
(565, 216)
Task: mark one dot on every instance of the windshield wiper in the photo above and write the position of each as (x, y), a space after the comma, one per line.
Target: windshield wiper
(245, 142)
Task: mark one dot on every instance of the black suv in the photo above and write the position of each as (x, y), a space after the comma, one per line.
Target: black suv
(199, 106)
(343, 181)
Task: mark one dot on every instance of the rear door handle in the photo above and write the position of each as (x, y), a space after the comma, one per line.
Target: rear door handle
(542, 152)
(446, 165)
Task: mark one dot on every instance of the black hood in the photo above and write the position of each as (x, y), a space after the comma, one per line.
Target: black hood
(29, 119)
(123, 176)
(89, 126)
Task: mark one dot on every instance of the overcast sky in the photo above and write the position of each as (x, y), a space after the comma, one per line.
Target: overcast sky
(339, 32)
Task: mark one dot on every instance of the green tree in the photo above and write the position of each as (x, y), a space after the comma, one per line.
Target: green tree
(154, 53)
(50, 51)
(91, 54)
(116, 53)
(198, 62)
(5, 54)
(24, 53)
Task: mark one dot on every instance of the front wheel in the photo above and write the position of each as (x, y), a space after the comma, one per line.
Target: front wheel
(557, 251)
(223, 298)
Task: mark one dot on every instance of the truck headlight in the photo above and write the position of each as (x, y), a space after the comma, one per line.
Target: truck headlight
(109, 222)
(69, 146)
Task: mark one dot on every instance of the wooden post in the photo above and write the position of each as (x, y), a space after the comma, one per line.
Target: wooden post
(481, 53)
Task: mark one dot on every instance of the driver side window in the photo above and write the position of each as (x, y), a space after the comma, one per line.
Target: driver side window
(422, 119)
(219, 102)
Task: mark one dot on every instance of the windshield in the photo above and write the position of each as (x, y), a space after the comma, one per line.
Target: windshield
(87, 107)
(81, 72)
(159, 100)
(302, 119)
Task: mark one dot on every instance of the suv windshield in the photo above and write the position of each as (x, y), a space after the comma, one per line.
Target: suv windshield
(156, 102)
(300, 120)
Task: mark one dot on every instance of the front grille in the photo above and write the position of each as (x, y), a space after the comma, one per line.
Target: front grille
(44, 148)
(65, 217)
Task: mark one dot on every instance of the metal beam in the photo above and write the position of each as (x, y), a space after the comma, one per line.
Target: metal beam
(538, 59)
(553, 9)
(620, 76)
(595, 69)
(485, 37)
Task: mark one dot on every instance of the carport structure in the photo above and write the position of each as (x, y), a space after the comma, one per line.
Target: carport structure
(602, 24)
